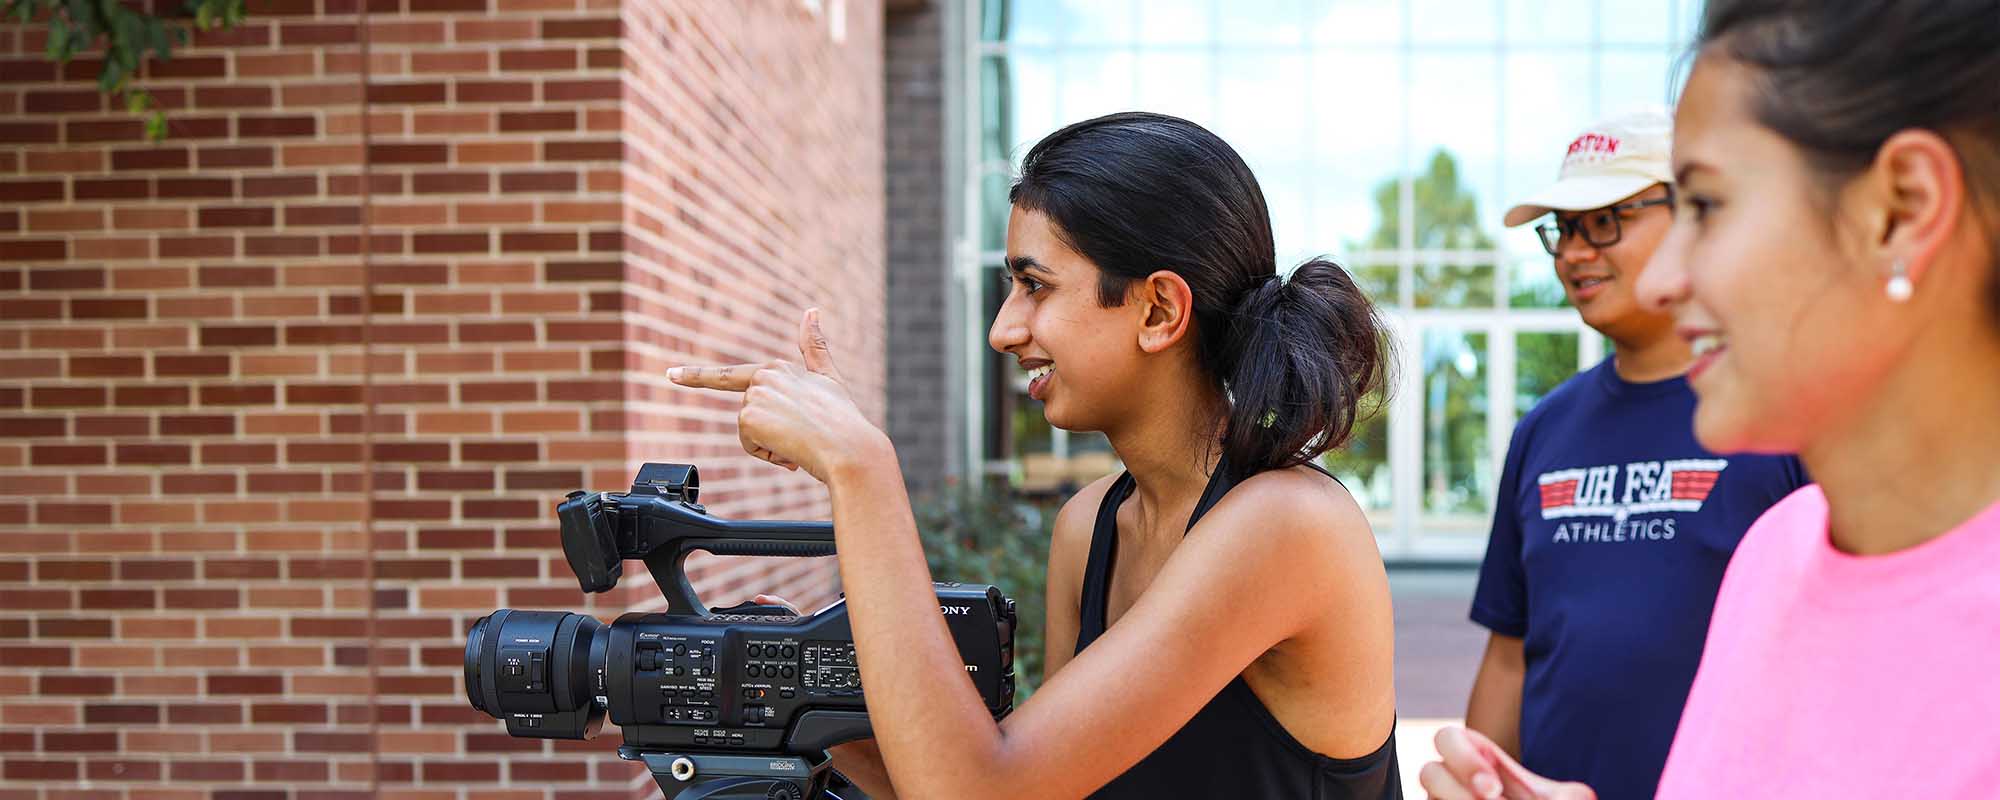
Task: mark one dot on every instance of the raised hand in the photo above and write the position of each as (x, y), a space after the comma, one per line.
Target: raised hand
(795, 415)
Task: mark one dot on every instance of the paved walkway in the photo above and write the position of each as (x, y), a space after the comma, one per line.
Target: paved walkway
(1437, 652)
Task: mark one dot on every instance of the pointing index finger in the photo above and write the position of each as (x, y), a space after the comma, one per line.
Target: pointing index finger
(734, 378)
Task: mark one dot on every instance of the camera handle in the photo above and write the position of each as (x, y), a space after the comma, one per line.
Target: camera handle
(660, 523)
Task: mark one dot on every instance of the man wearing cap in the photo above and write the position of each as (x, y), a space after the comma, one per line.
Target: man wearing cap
(1612, 525)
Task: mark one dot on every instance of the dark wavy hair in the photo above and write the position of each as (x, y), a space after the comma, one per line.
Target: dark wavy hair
(1297, 358)
(1839, 77)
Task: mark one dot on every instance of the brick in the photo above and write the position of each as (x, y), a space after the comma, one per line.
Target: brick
(108, 308)
(245, 684)
(577, 91)
(111, 188)
(530, 121)
(106, 366)
(606, 28)
(112, 599)
(59, 513)
(543, 181)
(447, 183)
(237, 157)
(218, 97)
(220, 336)
(33, 426)
(468, 91)
(119, 130)
(403, 93)
(213, 483)
(59, 455)
(583, 151)
(76, 685)
(280, 186)
(259, 395)
(149, 570)
(162, 158)
(151, 396)
(114, 426)
(34, 250)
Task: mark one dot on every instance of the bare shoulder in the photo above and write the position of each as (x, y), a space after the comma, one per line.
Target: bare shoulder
(1300, 507)
(1077, 521)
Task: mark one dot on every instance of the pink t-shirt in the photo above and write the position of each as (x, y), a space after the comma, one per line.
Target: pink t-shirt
(1828, 675)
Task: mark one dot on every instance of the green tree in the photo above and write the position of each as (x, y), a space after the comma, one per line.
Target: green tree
(78, 26)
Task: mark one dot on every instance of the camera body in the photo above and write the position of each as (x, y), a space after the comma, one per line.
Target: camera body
(735, 702)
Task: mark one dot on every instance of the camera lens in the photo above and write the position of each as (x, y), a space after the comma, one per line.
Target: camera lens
(534, 670)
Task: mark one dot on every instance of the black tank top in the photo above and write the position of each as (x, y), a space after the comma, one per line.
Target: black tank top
(1233, 747)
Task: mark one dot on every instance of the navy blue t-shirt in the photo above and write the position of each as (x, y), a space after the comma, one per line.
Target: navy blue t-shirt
(1610, 535)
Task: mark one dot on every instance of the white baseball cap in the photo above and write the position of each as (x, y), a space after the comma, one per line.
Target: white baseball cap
(1608, 162)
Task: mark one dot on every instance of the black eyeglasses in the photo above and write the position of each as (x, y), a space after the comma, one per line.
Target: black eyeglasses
(1601, 227)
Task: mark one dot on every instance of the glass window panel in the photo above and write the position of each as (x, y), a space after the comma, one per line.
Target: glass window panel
(1542, 361)
(996, 109)
(1264, 22)
(994, 208)
(1001, 372)
(1634, 78)
(1454, 133)
(1035, 105)
(1362, 465)
(1356, 107)
(1454, 285)
(1095, 83)
(1029, 22)
(1176, 23)
(1457, 469)
(1454, 21)
(1532, 282)
(1550, 22)
(1261, 111)
(1261, 108)
(1381, 282)
(1098, 22)
(1548, 102)
(1638, 22)
(1374, 22)
(1177, 82)
(993, 20)
(1688, 23)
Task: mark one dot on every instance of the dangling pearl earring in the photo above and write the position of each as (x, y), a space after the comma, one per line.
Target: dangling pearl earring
(1899, 288)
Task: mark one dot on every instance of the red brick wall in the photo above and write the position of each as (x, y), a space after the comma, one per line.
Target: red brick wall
(562, 198)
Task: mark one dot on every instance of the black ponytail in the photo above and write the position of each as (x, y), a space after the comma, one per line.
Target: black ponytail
(1138, 192)
(1309, 351)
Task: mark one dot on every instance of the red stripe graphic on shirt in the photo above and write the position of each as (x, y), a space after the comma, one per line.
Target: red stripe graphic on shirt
(1694, 484)
(1558, 494)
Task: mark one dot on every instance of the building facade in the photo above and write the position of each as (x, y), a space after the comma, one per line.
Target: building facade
(287, 399)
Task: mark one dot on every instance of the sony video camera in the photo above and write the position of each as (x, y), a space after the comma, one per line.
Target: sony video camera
(732, 703)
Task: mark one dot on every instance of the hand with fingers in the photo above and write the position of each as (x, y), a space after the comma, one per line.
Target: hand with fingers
(797, 416)
(1474, 768)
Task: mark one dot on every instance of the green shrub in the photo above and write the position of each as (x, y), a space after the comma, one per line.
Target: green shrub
(990, 535)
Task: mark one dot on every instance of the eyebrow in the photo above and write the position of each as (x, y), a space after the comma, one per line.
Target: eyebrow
(1681, 175)
(1026, 263)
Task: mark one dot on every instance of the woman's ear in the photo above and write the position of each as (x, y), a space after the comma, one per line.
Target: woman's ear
(1925, 198)
(1167, 304)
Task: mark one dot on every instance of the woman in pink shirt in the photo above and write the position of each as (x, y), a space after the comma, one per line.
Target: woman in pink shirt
(1835, 262)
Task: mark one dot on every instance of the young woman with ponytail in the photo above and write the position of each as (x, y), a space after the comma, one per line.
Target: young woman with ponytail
(1219, 620)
